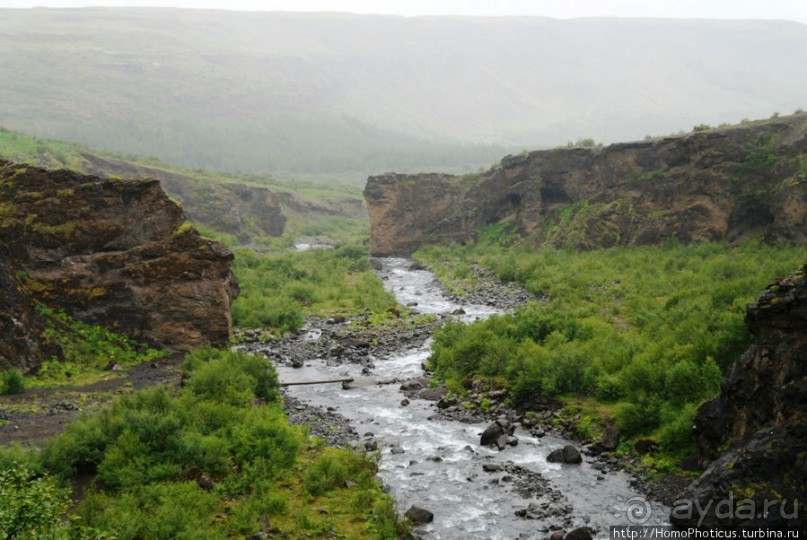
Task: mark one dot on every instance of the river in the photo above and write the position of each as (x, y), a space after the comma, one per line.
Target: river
(441, 467)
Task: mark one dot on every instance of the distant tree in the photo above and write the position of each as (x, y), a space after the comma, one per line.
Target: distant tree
(701, 127)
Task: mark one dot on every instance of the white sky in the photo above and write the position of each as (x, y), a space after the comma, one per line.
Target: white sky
(795, 10)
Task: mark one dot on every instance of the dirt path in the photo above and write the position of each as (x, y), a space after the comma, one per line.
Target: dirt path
(41, 413)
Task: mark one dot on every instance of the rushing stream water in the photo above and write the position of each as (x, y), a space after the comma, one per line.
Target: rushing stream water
(441, 468)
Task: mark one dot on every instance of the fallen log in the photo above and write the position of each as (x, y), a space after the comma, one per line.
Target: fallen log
(300, 383)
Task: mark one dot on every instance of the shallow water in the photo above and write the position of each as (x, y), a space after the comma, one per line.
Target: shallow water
(441, 467)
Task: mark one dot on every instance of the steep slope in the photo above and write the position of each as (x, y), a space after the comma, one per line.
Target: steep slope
(756, 430)
(337, 92)
(115, 253)
(747, 181)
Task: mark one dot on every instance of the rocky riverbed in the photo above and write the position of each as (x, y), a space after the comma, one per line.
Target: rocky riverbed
(429, 442)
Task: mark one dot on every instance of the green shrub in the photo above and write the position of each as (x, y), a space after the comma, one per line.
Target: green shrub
(11, 382)
(328, 472)
(32, 504)
(207, 364)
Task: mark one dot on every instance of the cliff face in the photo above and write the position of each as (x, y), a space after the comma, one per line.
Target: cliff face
(21, 343)
(116, 253)
(761, 417)
(237, 209)
(748, 181)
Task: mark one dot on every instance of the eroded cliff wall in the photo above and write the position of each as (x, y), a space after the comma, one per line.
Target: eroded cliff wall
(115, 253)
(756, 429)
(747, 181)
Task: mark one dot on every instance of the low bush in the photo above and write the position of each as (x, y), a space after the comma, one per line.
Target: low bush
(11, 382)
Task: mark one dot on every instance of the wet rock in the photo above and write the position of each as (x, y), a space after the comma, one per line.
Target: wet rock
(396, 449)
(491, 434)
(404, 402)
(498, 433)
(557, 535)
(370, 444)
(433, 394)
(458, 311)
(567, 454)
(445, 403)
(581, 533)
(414, 385)
(492, 467)
(419, 516)
(608, 441)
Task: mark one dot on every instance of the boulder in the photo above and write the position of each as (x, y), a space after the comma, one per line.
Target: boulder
(116, 253)
(433, 394)
(567, 454)
(419, 516)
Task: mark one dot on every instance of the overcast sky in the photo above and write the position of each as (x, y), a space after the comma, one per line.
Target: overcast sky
(795, 10)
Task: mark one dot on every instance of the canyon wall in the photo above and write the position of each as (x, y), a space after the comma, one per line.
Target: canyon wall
(727, 184)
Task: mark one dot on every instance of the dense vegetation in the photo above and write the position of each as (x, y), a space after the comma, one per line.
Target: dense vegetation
(278, 290)
(214, 459)
(86, 353)
(643, 334)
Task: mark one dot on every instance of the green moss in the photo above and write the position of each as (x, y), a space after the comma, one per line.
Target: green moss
(7, 209)
(186, 227)
(64, 230)
(647, 176)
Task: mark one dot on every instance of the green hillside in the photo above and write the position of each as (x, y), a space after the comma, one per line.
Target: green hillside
(329, 93)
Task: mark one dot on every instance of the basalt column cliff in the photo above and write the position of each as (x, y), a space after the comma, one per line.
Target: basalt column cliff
(729, 184)
(116, 253)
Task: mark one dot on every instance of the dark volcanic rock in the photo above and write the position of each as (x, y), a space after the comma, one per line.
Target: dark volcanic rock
(419, 516)
(567, 454)
(22, 344)
(116, 253)
(761, 416)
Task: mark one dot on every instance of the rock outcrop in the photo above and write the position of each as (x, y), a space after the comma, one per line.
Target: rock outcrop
(115, 253)
(728, 184)
(756, 429)
(22, 345)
